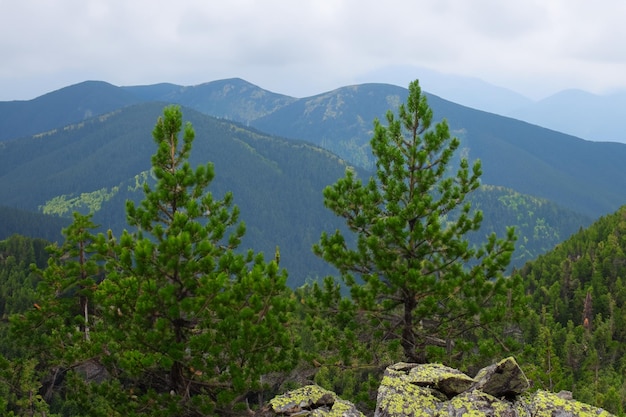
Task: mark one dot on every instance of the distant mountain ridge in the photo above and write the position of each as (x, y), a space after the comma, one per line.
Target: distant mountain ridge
(586, 177)
(61, 107)
(233, 99)
(532, 167)
(276, 183)
(579, 113)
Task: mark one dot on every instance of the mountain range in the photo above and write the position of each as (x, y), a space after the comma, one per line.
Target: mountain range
(578, 113)
(88, 147)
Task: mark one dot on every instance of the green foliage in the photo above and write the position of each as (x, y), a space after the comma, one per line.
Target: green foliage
(17, 281)
(85, 202)
(27, 223)
(338, 346)
(412, 268)
(19, 389)
(539, 224)
(191, 321)
(579, 288)
(278, 182)
(63, 309)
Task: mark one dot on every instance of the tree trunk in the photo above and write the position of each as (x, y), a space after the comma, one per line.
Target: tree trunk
(408, 332)
(85, 303)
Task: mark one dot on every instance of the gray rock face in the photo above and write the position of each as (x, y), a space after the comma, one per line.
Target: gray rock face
(313, 401)
(411, 390)
(503, 379)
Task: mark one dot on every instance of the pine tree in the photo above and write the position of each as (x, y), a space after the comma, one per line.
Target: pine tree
(54, 335)
(193, 322)
(412, 267)
(62, 309)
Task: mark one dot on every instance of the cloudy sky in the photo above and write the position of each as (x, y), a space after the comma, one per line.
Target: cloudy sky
(305, 47)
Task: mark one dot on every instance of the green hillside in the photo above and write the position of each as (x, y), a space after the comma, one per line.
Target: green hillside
(583, 176)
(578, 326)
(277, 183)
(539, 224)
(586, 177)
(90, 165)
(31, 224)
(59, 108)
(233, 99)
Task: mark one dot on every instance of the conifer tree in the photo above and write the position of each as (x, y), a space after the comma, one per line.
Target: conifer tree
(62, 313)
(54, 335)
(193, 322)
(412, 267)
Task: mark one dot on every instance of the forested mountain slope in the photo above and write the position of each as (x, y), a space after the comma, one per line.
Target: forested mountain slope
(576, 327)
(32, 224)
(98, 164)
(233, 99)
(61, 107)
(584, 176)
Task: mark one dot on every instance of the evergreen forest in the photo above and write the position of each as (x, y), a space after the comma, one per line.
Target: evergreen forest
(173, 315)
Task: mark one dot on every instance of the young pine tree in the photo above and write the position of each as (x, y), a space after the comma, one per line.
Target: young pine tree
(194, 324)
(63, 311)
(412, 267)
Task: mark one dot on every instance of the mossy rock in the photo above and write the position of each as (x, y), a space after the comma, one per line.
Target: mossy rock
(399, 398)
(477, 404)
(503, 379)
(548, 404)
(447, 380)
(313, 400)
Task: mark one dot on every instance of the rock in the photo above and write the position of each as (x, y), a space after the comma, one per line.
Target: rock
(503, 379)
(411, 390)
(397, 396)
(476, 403)
(92, 371)
(313, 400)
(448, 381)
(548, 404)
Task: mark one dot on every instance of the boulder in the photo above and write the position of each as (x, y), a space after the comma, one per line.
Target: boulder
(411, 390)
(503, 379)
(448, 381)
(313, 401)
(548, 404)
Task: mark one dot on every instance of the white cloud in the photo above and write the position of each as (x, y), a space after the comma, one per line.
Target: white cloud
(309, 46)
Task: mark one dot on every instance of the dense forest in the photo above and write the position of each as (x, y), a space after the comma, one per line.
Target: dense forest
(169, 318)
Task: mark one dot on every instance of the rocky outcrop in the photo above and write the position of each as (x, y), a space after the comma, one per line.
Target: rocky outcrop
(435, 390)
(312, 401)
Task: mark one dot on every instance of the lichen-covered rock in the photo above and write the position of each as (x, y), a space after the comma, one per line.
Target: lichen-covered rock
(398, 397)
(478, 403)
(548, 404)
(313, 401)
(432, 390)
(503, 379)
(446, 380)
(412, 390)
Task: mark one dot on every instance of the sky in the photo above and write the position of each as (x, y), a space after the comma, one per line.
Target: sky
(305, 47)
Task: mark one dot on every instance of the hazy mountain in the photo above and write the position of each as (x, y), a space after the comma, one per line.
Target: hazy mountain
(587, 177)
(579, 113)
(103, 161)
(575, 112)
(233, 99)
(98, 162)
(61, 107)
(467, 91)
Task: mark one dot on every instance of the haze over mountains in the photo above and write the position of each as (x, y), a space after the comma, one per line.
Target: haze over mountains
(88, 146)
(575, 112)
